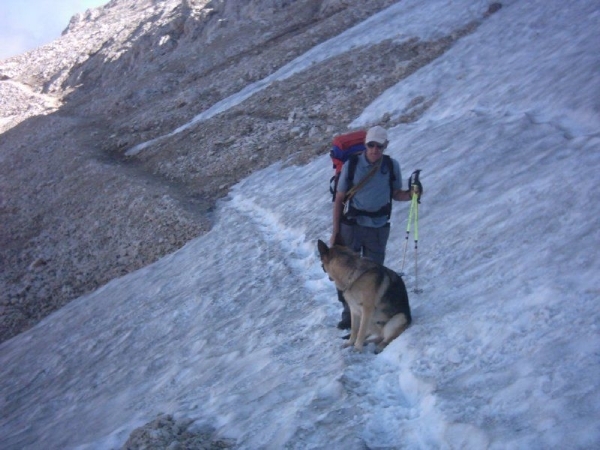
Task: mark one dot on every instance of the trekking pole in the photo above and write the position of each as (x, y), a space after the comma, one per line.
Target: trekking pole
(410, 214)
(414, 200)
(415, 188)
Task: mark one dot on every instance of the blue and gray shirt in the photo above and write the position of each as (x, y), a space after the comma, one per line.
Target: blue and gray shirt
(375, 194)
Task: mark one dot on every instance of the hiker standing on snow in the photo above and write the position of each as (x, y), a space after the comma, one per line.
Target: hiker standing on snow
(371, 180)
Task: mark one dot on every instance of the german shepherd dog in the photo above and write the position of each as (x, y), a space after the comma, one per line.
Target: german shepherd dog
(376, 295)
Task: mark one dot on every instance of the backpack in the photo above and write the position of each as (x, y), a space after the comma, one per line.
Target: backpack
(344, 145)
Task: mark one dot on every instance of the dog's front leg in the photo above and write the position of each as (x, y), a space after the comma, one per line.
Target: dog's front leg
(354, 325)
(365, 320)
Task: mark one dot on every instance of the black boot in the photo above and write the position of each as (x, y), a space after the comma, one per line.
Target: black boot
(344, 324)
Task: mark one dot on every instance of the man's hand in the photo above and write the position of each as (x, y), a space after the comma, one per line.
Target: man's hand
(336, 239)
(414, 185)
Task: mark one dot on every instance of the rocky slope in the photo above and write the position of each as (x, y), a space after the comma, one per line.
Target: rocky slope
(78, 208)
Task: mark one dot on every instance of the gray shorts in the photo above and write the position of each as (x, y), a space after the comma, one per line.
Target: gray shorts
(369, 242)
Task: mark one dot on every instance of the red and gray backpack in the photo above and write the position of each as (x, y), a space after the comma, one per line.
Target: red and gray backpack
(344, 146)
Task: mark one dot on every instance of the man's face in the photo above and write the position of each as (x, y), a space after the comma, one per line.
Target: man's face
(374, 151)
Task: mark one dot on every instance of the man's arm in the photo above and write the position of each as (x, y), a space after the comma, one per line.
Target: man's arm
(402, 196)
(338, 206)
(414, 187)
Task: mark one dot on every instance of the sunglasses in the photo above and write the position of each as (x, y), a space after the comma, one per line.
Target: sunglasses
(375, 144)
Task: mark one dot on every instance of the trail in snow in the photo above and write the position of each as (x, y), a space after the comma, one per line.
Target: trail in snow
(356, 383)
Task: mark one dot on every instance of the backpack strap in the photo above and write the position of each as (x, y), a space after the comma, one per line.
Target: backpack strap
(352, 163)
(390, 164)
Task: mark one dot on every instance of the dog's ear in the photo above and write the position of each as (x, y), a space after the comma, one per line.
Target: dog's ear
(323, 249)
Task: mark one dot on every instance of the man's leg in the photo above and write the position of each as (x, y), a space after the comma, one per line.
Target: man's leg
(345, 322)
(348, 236)
(374, 242)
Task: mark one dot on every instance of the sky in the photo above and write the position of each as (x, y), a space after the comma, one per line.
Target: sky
(25, 25)
(237, 330)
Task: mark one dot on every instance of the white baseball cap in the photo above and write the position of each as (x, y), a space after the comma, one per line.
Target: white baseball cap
(377, 134)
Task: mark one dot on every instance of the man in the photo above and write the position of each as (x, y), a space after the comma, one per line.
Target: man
(365, 227)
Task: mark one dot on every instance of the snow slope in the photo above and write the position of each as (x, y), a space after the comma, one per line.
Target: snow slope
(237, 329)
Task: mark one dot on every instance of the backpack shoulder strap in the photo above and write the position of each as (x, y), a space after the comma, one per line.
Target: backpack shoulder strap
(390, 164)
(352, 163)
(387, 159)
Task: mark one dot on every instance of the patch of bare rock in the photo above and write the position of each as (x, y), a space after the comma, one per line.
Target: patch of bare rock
(167, 433)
